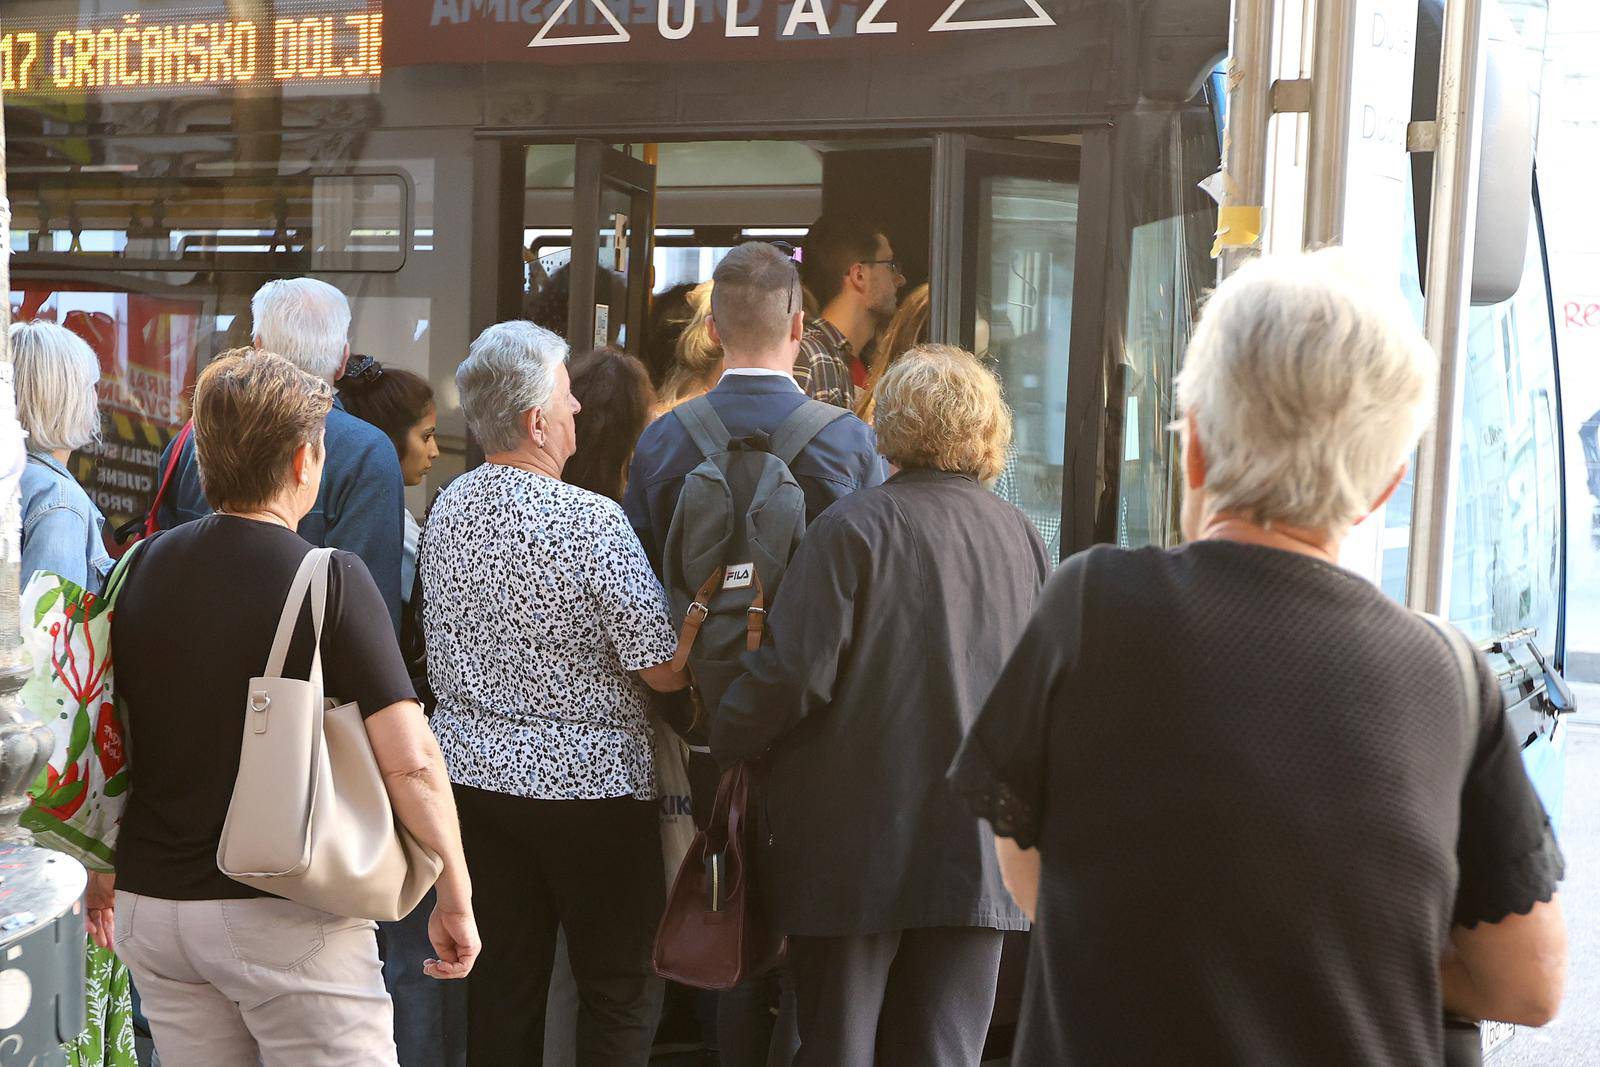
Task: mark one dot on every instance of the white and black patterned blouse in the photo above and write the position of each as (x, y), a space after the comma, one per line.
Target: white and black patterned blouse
(538, 603)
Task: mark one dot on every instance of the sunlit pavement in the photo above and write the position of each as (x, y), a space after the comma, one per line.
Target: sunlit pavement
(1574, 1038)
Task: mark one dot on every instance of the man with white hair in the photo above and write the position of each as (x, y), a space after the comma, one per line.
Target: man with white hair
(360, 508)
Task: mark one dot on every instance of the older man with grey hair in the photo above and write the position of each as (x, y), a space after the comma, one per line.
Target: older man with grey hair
(1323, 825)
(544, 626)
(360, 507)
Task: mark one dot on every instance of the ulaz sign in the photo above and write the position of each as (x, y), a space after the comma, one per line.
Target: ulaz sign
(805, 19)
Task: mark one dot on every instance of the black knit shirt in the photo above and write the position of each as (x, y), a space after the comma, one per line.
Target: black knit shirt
(1250, 780)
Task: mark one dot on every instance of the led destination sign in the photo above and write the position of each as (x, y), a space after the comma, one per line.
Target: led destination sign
(182, 50)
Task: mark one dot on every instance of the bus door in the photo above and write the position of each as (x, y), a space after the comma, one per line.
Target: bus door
(1005, 249)
(612, 221)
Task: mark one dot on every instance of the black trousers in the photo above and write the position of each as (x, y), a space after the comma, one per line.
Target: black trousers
(908, 997)
(756, 1022)
(593, 867)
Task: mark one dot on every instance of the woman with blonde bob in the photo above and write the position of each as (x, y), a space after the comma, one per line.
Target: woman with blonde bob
(1261, 812)
(56, 373)
(890, 628)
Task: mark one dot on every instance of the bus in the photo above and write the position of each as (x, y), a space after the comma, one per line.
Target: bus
(1042, 165)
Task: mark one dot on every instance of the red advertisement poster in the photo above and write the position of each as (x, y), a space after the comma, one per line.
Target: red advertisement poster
(148, 348)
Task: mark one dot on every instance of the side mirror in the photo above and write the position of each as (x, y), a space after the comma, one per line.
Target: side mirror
(1505, 167)
(1505, 171)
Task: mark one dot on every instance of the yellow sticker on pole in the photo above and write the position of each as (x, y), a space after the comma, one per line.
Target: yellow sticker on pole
(1238, 226)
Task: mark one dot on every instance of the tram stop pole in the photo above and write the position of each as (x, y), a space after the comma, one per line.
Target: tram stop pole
(41, 917)
(1244, 137)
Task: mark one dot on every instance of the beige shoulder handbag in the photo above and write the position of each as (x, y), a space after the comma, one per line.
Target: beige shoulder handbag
(310, 818)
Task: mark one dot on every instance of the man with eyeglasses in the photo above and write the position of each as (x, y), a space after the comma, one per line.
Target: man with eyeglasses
(850, 268)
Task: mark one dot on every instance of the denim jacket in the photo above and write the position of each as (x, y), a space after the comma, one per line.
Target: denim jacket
(358, 510)
(60, 526)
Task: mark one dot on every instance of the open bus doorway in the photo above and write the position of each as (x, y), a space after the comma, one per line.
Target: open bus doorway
(613, 234)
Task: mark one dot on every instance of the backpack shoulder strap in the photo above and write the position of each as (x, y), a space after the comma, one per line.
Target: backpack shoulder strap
(797, 431)
(704, 426)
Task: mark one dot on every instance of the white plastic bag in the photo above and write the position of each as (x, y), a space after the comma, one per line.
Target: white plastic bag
(672, 780)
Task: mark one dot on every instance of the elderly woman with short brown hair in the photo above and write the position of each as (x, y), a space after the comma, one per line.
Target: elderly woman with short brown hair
(229, 974)
(894, 619)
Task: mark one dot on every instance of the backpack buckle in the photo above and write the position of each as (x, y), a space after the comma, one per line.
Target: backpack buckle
(698, 611)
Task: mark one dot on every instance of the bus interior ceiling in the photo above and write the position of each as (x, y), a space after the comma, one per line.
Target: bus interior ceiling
(712, 194)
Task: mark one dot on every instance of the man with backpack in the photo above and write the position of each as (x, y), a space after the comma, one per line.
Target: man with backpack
(720, 492)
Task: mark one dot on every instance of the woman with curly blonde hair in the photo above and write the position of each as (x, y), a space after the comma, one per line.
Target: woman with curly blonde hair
(891, 626)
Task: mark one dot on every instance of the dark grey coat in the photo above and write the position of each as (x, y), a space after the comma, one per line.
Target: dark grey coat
(893, 622)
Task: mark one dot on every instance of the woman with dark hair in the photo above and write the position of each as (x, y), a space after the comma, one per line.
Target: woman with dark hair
(617, 400)
(400, 404)
(430, 1023)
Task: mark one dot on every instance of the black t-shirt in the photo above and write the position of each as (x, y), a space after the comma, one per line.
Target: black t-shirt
(193, 625)
(1248, 778)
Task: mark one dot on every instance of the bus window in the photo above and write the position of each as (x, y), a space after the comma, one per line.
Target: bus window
(1168, 269)
(1506, 545)
(284, 224)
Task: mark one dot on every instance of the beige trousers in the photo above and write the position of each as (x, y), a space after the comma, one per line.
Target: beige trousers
(236, 982)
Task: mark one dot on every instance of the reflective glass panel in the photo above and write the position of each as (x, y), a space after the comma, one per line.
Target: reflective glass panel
(1027, 240)
(1506, 544)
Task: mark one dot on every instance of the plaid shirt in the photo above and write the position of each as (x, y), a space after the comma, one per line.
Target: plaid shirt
(823, 366)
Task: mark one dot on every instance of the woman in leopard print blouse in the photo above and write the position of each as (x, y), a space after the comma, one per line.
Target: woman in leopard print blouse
(544, 625)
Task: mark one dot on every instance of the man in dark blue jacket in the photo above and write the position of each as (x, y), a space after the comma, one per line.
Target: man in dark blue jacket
(757, 317)
(359, 509)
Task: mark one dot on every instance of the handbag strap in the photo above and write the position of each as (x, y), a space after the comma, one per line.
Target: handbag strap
(312, 577)
(152, 522)
(1467, 668)
(119, 575)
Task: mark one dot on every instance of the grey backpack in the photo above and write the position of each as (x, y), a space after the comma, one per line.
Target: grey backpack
(739, 519)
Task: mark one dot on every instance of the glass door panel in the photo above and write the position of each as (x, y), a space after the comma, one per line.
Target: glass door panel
(1005, 252)
(613, 207)
(1021, 324)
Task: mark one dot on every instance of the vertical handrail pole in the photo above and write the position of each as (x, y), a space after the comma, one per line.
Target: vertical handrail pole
(1328, 147)
(1448, 294)
(1244, 139)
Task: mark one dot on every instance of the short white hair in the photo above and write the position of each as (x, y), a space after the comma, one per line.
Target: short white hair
(510, 370)
(305, 321)
(55, 372)
(1309, 385)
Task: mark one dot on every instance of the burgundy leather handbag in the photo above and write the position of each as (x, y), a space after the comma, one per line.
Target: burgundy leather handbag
(713, 934)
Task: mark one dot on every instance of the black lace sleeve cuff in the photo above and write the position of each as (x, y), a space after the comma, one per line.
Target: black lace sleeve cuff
(989, 796)
(1516, 887)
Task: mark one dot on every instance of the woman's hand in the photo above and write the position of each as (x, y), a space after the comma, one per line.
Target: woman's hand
(99, 902)
(455, 938)
(665, 678)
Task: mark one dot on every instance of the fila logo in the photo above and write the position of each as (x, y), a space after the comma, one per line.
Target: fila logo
(738, 576)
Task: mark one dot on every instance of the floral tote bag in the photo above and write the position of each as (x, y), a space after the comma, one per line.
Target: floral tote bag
(66, 640)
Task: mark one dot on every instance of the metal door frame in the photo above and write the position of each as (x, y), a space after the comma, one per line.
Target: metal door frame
(599, 166)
